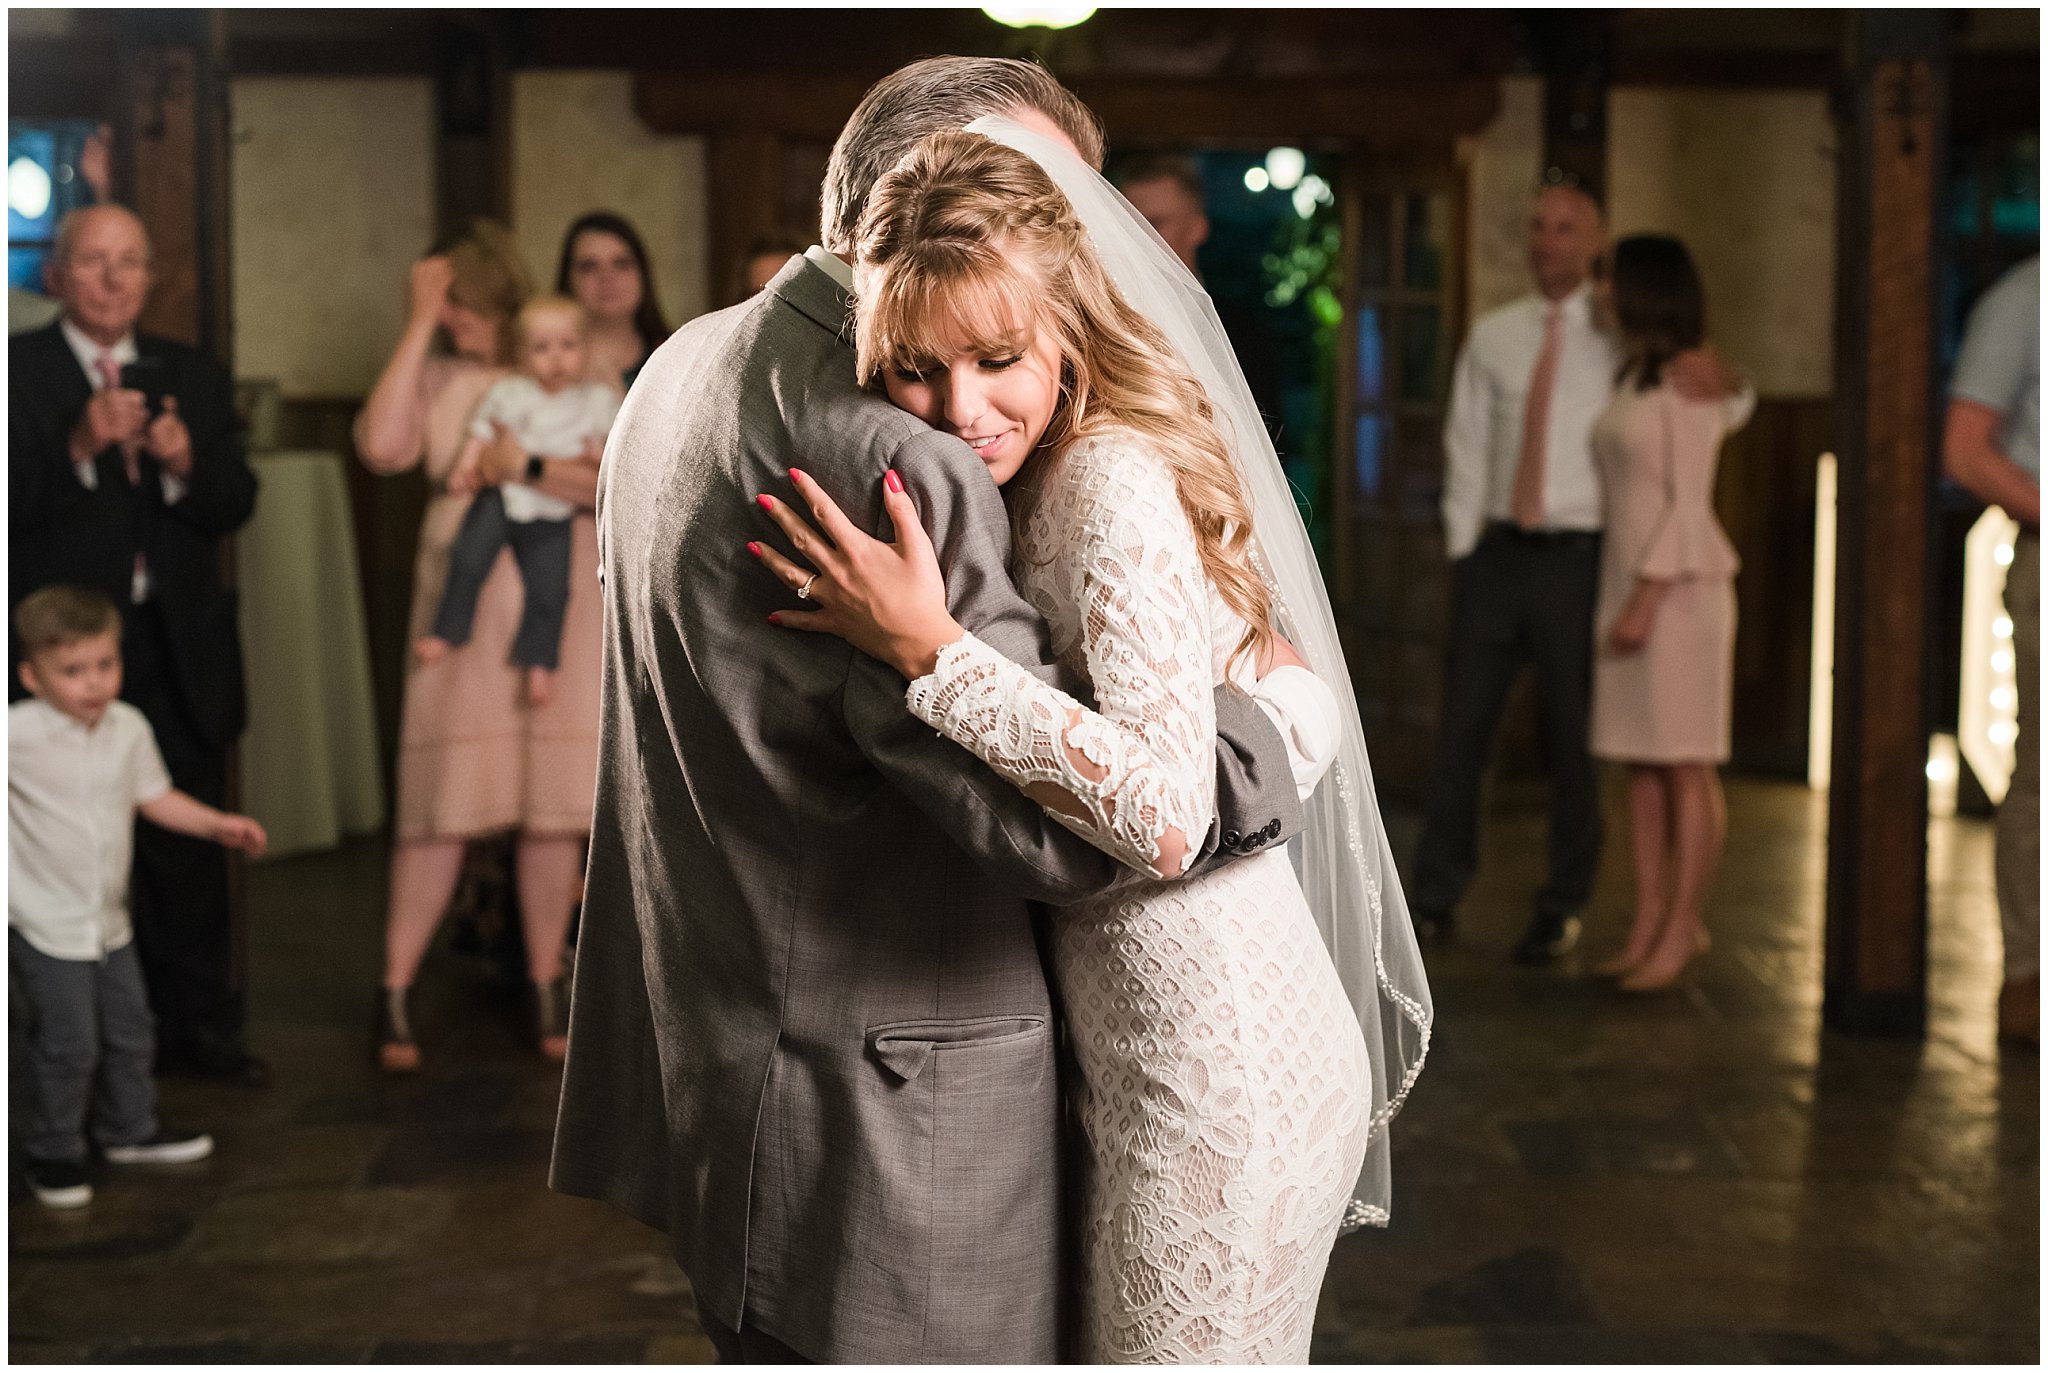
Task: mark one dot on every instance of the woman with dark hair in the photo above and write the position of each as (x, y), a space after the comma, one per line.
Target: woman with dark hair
(1664, 670)
(604, 268)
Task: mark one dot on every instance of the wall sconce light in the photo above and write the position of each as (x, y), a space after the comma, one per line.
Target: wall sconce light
(1040, 16)
(1987, 724)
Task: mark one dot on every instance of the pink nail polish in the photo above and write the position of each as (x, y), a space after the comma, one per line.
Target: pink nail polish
(767, 503)
(895, 482)
(775, 617)
(794, 474)
(754, 549)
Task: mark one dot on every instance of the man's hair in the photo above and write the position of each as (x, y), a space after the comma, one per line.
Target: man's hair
(68, 230)
(936, 95)
(58, 616)
(1163, 167)
(1555, 179)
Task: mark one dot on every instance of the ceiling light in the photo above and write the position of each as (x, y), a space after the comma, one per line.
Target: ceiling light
(1042, 16)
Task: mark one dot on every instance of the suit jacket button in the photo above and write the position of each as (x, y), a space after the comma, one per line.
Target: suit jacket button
(1231, 839)
(1273, 829)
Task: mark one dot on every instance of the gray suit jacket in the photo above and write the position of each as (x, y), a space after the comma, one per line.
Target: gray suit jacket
(811, 1037)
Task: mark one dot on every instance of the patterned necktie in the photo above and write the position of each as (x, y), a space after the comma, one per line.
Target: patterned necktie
(131, 450)
(1536, 422)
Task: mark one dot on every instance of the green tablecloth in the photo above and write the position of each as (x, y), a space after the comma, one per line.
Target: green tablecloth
(309, 760)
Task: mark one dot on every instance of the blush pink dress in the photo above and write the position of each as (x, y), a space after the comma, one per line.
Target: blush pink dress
(473, 757)
(1670, 701)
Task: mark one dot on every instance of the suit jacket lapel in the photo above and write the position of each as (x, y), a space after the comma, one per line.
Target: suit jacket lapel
(70, 388)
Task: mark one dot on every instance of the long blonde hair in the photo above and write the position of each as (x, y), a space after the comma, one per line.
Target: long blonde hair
(966, 241)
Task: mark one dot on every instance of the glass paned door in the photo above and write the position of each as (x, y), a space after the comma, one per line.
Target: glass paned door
(1402, 299)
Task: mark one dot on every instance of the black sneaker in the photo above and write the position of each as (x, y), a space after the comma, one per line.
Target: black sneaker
(165, 1146)
(58, 1183)
(1550, 938)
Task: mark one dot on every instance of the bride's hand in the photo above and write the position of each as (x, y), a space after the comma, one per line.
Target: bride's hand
(886, 599)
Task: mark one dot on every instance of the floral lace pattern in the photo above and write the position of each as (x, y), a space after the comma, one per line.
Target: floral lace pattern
(1222, 1066)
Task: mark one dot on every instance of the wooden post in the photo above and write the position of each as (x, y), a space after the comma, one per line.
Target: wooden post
(473, 126)
(744, 174)
(1892, 136)
(1572, 50)
(171, 143)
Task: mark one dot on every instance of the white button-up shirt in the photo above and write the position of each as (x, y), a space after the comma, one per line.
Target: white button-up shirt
(72, 793)
(1483, 431)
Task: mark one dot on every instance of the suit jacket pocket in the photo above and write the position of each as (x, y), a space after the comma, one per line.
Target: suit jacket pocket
(905, 1047)
(996, 1251)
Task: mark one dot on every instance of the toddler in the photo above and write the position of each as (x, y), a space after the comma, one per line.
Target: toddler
(81, 765)
(554, 413)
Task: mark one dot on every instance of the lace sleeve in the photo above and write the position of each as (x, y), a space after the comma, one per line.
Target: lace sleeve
(1136, 777)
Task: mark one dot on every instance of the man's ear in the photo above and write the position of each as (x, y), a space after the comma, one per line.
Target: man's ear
(28, 678)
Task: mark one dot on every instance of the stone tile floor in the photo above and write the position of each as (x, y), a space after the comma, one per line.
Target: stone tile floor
(1582, 1177)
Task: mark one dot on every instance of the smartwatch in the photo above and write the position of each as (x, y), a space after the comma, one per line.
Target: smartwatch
(536, 468)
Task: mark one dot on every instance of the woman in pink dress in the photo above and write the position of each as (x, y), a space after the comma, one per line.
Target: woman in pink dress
(475, 756)
(1664, 668)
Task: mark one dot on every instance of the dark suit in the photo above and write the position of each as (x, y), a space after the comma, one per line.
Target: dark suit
(182, 647)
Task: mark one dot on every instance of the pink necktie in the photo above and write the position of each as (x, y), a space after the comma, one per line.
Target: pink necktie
(110, 378)
(1536, 423)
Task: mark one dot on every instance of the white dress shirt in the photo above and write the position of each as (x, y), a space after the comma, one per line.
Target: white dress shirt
(832, 265)
(1483, 431)
(72, 793)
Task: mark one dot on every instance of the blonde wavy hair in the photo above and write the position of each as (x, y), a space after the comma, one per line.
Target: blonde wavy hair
(967, 245)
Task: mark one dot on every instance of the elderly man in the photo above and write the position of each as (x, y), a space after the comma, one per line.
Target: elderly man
(125, 473)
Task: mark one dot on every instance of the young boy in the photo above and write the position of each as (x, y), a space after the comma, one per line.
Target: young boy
(554, 413)
(80, 765)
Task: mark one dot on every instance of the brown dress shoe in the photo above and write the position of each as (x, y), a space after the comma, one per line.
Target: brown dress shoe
(2019, 1011)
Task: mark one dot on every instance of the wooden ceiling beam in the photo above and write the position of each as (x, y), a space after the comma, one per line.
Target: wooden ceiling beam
(1136, 110)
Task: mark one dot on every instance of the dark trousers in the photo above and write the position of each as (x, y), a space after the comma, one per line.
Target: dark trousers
(89, 1045)
(1518, 599)
(179, 893)
(540, 547)
(745, 1345)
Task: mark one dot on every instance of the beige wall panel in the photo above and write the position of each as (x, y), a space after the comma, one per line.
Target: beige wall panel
(1504, 163)
(1747, 179)
(332, 190)
(578, 146)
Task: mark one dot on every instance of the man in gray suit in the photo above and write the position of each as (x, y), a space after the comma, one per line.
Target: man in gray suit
(811, 1036)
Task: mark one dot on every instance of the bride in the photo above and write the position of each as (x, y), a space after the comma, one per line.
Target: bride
(1241, 1045)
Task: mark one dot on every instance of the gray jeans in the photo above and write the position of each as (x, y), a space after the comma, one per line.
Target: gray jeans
(2018, 863)
(91, 1042)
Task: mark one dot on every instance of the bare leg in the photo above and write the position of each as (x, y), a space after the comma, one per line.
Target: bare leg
(549, 870)
(540, 686)
(430, 648)
(1701, 826)
(423, 877)
(1649, 815)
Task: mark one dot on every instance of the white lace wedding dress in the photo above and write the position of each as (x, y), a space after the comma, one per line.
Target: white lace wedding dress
(1223, 1068)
